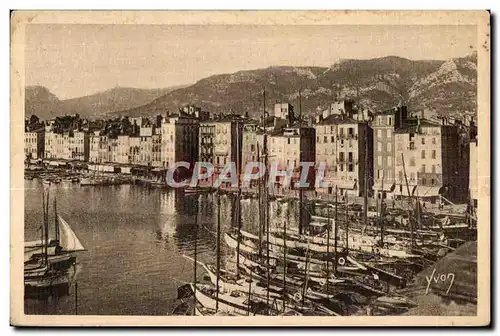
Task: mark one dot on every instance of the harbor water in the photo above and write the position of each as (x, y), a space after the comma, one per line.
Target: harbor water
(135, 239)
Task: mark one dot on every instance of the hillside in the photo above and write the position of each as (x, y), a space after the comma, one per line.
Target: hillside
(40, 101)
(448, 86)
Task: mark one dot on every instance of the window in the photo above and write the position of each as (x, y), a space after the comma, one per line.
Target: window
(379, 160)
(412, 162)
(389, 133)
(433, 141)
(341, 167)
(350, 167)
(325, 139)
(349, 155)
(433, 169)
(423, 181)
(351, 131)
(433, 153)
(317, 139)
(390, 121)
(433, 181)
(412, 145)
(332, 139)
(423, 168)
(379, 133)
(423, 154)
(341, 131)
(423, 141)
(288, 140)
(389, 160)
(379, 146)
(341, 157)
(389, 146)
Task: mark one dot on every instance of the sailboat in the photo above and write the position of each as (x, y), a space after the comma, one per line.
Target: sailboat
(51, 261)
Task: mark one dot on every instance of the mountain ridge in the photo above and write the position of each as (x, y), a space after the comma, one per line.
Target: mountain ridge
(447, 86)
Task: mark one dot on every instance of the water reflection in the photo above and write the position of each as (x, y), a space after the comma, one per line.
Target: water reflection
(136, 238)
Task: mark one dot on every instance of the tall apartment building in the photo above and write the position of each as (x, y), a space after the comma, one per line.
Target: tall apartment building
(123, 149)
(206, 142)
(384, 125)
(73, 145)
(34, 144)
(94, 140)
(220, 141)
(345, 146)
(252, 139)
(291, 146)
(179, 140)
(430, 153)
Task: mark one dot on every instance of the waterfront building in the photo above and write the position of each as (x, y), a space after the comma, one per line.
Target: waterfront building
(345, 145)
(290, 146)
(227, 141)
(179, 140)
(252, 139)
(384, 125)
(206, 141)
(431, 154)
(122, 150)
(34, 144)
(134, 150)
(94, 140)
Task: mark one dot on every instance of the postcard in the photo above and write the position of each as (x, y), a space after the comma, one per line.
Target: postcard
(250, 168)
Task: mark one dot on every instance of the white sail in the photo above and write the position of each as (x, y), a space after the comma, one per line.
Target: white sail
(68, 239)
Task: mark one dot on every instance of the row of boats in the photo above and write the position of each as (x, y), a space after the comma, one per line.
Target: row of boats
(327, 267)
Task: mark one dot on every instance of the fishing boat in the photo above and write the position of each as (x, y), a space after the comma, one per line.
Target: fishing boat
(48, 261)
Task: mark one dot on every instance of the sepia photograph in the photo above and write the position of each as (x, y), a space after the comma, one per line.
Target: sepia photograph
(214, 168)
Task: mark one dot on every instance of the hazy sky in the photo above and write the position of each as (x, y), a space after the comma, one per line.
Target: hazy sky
(76, 60)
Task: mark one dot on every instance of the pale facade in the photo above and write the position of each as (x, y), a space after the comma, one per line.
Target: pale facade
(345, 146)
(430, 153)
(123, 149)
(34, 143)
(179, 140)
(94, 140)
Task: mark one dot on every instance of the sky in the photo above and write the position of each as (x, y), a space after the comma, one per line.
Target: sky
(77, 60)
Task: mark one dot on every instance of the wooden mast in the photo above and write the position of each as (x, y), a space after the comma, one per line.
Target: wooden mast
(195, 260)
(328, 248)
(266, 200)
(259, 199)
(380, 216)
(218, 251)
(365, 196)
(56, 221)
(409, 202)
(335, 232)
(284, 254)
(46, 224)
(238, 200)
(346, 223)
(42, 231)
